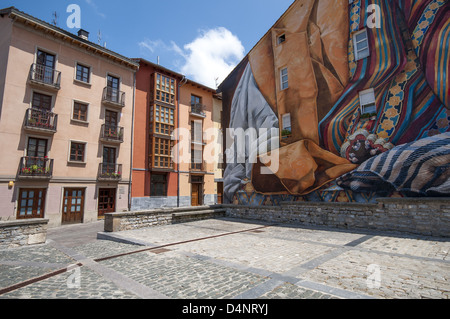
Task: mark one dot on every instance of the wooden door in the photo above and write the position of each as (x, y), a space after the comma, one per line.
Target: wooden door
(111, 123)
(45, 66)
(36, 152)
(113, 88)
(106, 201)
(73, 206)
(195, 195)
(37, 147)
(220, 193)
(109, 160)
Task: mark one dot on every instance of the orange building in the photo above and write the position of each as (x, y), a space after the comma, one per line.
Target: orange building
(164, 102)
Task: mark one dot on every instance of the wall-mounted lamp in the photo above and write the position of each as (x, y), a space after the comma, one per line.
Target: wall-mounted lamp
(11, 184)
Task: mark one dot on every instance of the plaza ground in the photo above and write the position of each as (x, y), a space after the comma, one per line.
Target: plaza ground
(226, 259)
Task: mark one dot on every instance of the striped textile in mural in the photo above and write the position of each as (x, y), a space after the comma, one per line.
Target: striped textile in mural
(420, 168)
(408, 68)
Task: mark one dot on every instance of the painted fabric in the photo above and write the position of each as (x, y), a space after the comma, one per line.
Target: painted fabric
(407, 68)
(420, 168)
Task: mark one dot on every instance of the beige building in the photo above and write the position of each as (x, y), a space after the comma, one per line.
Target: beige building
(66, 114)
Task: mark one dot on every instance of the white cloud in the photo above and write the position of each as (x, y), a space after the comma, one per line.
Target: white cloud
(211, 56)
(208, 59)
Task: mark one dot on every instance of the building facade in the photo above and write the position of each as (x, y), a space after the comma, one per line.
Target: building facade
(66, 114)
(172, 116)
(353, 102)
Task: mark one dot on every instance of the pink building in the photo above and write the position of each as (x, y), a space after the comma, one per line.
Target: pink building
(66, 114)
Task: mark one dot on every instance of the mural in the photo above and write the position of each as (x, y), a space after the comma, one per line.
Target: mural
(362, 110)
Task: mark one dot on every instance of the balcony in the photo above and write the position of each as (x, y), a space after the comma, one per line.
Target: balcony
(198, 167)
(40, 168)
(110, 172)
(40, 121)
(45, 77)
(198, 110)
(113, 97)
(111, 134)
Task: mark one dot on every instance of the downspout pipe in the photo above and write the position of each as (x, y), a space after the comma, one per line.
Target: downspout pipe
(182, 82)
(132, 142)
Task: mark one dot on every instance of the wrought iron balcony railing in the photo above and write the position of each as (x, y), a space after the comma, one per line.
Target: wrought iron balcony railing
(40, 120)
(44, 75)
(200, 167)
(198, 109)
(112, 133)
(109, 172)
(113, 96)
(36, 167)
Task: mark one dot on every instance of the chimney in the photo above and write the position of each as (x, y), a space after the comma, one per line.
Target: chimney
(83, 34)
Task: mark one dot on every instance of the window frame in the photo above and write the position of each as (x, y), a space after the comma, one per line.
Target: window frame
(75, 161)
(162, 94)
(162, 150)
(164, 183)
(355, 44)
(371, 102)
(89, 73)
(282, 76)
(34, 204)
(281, 38)
(52, 100)
(74, 102)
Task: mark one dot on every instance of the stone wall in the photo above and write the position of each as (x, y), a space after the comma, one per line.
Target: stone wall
(422, 216)
(116, 222)
(17, 233)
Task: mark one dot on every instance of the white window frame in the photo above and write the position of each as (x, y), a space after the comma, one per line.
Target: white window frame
(283, 81)
(358, 55)
(366, 100)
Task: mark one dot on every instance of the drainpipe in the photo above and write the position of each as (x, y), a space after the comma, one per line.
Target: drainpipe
(132, 143)
(182, 82)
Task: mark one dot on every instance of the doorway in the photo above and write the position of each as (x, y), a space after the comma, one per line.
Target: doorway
(219, 192)
(106, 201)
(73, 206)
(196, 190)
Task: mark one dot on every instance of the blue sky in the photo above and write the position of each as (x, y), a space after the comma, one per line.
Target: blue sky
(203, 39)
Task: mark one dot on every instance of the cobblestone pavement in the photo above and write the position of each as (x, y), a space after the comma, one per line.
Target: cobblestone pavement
(227, 259)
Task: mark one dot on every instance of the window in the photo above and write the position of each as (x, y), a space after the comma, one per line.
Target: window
(31, 203)
(361, 45)
(197, 157)
(80, 111)
(158, 185)
(197, 131)
(164, 120)
(83, 73)
(284, 79)
(281, 39)
(367, 103)
(165, 89)
(41, 101)
(162, 153)
(77, 152)
(286, 125)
